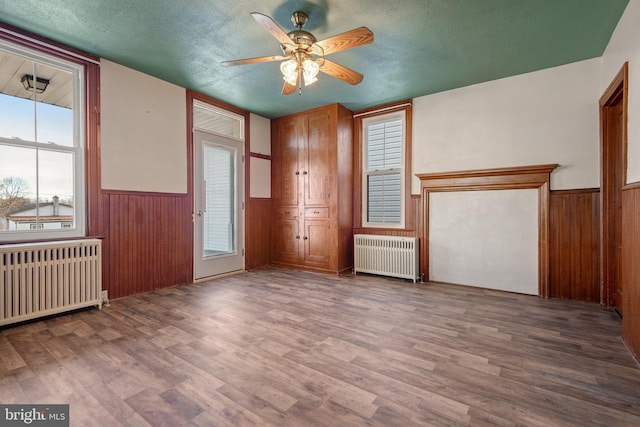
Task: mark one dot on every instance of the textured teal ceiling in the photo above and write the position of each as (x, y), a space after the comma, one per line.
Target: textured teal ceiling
(420, 47)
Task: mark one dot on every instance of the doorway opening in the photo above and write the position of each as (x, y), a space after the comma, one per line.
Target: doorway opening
(613, 172)
(218, 188)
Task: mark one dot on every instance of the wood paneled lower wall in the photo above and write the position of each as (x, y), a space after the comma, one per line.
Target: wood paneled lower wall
(258, 223)
(147, 241)
(574, 259)
(631, 267)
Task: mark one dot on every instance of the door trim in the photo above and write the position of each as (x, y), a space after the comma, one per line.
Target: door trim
(191, 96)
(619, 87)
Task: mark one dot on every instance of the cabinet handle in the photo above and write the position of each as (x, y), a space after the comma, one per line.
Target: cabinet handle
(316, 212)
(305, 238)
(297, 173)
(298, 237)
(304, 173)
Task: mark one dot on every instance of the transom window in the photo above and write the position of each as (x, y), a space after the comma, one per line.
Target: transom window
(216, 120)
(41, 145)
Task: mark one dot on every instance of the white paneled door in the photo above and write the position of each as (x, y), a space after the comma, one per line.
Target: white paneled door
(218, 210)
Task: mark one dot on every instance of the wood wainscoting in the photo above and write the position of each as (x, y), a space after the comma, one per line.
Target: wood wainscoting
(258, 223)
(574, 244)
(147, 241)
(631, 267)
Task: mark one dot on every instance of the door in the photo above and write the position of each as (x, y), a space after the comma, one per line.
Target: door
(316, 159)
(218, 205)
(287, 240)
(285, 161)
(317, 242)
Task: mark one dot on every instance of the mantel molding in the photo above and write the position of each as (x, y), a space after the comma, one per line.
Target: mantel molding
(510, 178)
(517, 177)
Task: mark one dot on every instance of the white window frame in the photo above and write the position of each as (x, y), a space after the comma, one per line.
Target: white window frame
(77, 150)
(366, 173)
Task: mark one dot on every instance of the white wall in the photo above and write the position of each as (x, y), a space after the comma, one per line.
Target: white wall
(490, 238)
(496, 247)
(260, 136)
(260, 131)
(548, 116)
(143, 132)
(625, 46)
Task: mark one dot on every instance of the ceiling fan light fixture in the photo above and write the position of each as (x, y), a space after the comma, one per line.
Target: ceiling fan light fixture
(289, 70)
(310, 70)
(304, 55)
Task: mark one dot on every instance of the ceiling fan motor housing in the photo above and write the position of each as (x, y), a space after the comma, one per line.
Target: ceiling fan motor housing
(302, 38)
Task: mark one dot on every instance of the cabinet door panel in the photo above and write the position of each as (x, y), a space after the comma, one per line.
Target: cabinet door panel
(287, 240)
(317, 242)
(287, 162)
(317, 155)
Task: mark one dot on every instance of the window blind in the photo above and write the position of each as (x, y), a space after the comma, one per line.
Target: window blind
(385, 141)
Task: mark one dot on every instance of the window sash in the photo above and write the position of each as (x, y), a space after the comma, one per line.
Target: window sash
(383, 183)
(76, 149)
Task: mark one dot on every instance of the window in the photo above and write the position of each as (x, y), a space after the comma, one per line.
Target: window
(216, 120)
(42, 132)
(383, 169)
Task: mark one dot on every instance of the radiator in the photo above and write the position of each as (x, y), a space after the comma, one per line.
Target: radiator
(39, 279)
(386, 255)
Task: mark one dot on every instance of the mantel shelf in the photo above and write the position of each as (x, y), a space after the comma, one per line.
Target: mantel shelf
(514, 170)
(517, 177)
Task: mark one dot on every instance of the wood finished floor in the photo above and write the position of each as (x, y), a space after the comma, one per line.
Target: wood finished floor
(285, 348)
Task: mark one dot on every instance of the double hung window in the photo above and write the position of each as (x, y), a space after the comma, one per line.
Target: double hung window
(42, 132)
(383, 171)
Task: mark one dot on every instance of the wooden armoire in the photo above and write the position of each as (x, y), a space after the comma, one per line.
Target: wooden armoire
(312, 189)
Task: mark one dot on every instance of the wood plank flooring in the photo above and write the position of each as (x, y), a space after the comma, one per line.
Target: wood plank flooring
(289, 348)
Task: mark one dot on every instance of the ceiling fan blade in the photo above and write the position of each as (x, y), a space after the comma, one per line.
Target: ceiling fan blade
(341, 72)
(272, 27)
(254, 60)
(288, 89)
(350, 39)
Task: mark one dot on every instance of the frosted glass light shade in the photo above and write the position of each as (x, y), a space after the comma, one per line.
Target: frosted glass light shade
(289, 70)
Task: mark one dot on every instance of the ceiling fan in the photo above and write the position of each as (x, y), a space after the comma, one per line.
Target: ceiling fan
(304, 55)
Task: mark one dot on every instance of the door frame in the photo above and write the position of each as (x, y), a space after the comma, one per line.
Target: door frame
(191, 96)
(618, 90)
(211, 265)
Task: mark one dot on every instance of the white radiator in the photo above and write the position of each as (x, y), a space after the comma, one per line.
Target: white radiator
(386, 255)
(39, 279)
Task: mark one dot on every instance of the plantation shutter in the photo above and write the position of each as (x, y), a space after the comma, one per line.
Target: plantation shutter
(385, 142)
